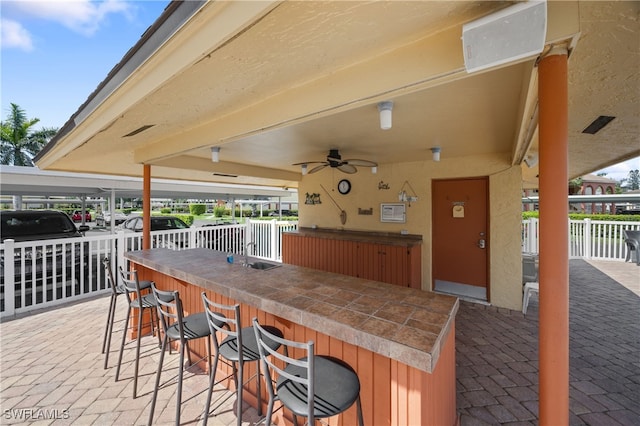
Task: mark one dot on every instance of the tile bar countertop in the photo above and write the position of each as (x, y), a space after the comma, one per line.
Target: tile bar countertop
(389, 238)
(404, 324)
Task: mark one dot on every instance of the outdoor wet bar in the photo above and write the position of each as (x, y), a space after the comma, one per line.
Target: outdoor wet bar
(399, 340)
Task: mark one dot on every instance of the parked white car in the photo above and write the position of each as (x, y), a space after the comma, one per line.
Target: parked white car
(105, 217)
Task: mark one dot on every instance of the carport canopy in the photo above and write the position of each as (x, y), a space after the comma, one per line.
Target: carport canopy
(31, 181)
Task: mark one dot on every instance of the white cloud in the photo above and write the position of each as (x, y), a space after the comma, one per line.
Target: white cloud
(81, 16)
(14, 35)
(621, 170)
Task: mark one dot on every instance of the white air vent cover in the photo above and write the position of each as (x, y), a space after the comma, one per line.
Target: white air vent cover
(513, 33)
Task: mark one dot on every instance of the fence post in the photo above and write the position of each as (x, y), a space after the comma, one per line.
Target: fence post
(121, 241)
(273, 250)
(193, 232)
(588, 237)
(247, 237)
(532, 236)
(9, 278)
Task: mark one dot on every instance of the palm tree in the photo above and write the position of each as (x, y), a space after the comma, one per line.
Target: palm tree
(19, 142)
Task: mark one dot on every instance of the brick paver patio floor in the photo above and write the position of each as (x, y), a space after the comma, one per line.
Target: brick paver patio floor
(497, 353)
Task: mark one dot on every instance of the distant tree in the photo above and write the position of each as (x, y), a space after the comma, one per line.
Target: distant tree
(19, 141)
(575, 185)
(633, 181)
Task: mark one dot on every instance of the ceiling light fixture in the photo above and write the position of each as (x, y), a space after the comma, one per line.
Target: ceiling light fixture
(215, 154)
(304, 169)
(385, 108)
(436, 153)
(374, 170)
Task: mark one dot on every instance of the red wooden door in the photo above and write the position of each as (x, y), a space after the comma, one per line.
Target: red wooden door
(460, 240)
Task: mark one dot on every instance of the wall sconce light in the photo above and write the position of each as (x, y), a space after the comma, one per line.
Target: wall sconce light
(303, 168)
(436, 153)
(374, 170)
(531, 159)
(385, 108)
(215, 154)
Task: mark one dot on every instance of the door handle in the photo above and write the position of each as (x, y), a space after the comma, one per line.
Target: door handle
(482, 243)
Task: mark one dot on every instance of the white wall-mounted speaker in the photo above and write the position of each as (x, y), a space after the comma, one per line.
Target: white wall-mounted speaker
(513, 33)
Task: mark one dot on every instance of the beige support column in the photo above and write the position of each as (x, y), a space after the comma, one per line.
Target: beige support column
(554, 228)
(146, 207)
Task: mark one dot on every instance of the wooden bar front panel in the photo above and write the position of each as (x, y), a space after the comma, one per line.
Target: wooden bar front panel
(392, 393)
(393, 264)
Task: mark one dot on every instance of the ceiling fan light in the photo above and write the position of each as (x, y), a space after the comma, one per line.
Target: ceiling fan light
(385, 108)
(374, 170)
(436, 153)
(304, 169)
(215, 154)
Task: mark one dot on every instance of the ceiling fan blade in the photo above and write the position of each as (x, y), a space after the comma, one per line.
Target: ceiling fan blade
(309, 162)
(361, 163)
(347, 168)
(318, 168)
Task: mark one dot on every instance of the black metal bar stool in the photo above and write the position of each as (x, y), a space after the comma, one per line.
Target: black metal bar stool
(237, 348)
(314, 386)
(132, 285)
(179, 328)
(116, 290)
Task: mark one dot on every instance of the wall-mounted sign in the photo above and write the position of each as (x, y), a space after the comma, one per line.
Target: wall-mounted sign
(393, 212)
(458, 211)
(312, 199)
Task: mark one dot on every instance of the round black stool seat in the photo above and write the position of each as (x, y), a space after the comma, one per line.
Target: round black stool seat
(336, 387)
(250, 352)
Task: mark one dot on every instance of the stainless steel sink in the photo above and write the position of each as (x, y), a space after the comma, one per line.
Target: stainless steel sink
(263, 265)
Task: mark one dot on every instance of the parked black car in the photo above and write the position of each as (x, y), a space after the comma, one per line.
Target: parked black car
(47, 262)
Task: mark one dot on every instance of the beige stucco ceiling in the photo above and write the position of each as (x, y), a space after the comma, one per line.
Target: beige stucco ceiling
(277, 83)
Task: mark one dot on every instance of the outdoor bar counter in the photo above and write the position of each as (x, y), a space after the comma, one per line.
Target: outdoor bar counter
(400, 340)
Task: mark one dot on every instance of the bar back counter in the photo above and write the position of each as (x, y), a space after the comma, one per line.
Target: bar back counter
(400, 340)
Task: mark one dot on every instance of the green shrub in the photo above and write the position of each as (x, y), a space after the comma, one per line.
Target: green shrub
(165, 210)
(219, 211)
(186, 218)
(592, 216)
(197, 209)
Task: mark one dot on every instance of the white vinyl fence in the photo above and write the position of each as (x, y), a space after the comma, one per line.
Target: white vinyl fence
(588, 239)
(39, 274)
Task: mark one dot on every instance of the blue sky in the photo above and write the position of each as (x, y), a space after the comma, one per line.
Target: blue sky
(55, 53)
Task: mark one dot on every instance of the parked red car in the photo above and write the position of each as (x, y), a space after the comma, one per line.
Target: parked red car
(77, 216)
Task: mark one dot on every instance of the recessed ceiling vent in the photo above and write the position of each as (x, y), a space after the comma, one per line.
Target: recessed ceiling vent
(139, 130)
(598, 124)
(225, 175)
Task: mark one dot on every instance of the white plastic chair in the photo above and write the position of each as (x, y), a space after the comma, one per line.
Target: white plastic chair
(528, 289)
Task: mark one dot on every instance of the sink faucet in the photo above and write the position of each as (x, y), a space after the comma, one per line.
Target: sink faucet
(246, 252)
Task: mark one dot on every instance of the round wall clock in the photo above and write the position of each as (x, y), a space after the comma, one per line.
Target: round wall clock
(344, 186)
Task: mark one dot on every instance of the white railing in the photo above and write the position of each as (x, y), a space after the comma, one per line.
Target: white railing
(71, 269)
(588, 239)
(39, 274)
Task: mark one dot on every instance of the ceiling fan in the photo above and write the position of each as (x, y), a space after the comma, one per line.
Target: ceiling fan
(334, 160)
